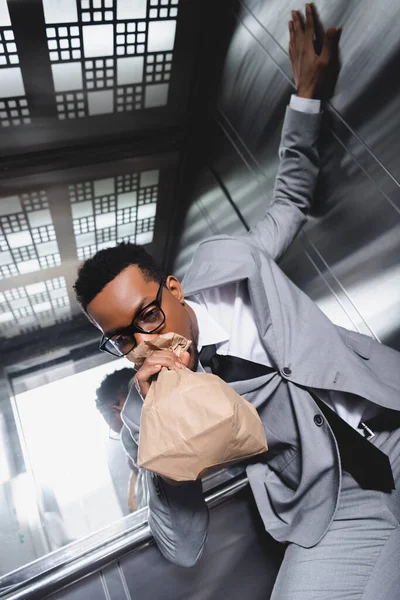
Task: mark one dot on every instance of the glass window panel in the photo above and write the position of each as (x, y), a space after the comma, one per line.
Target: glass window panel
(144, 238)
(126, 200)
(47, 248)
(28, 266)
(38, 218)
(5, 258)
(149, 178)
(5, 317)
(4, 14)
(42, 307)
(147, 210)
(60, 11)
(82, 209)
(67, 76)
(22, 302)
(59, 293)
(86, 239)
(156, 95)
(35, 288)
(101, 102)
(104, 245)
(16, 240)
(161, 35)
(11, 83)
(105, 220)
(104, 187)
(10, 205)
(125, 230)
(130, 70)
(128, 9)
(98, 40)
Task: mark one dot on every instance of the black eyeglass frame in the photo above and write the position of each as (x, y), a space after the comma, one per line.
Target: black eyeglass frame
(132, 328)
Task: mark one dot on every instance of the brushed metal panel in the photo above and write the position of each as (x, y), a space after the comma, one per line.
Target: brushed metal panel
(348, 260)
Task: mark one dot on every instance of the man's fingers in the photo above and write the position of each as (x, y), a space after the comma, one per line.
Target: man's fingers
(319, 30)
(330, 42)
(309, 28)
(152, 366)
(291, 32)
(301, 20)
(297, 23)
(185, 358)
(165, 358)
(146, 373)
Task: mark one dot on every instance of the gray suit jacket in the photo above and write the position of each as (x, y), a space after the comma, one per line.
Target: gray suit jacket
(297, 487)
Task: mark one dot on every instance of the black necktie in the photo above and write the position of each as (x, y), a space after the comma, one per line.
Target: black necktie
(369, 466)
(230, 368)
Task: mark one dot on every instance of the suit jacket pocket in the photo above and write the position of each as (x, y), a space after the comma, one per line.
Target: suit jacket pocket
(287, 466)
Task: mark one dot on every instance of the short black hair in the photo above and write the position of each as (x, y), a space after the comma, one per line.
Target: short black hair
(112, 388)
(105, 265)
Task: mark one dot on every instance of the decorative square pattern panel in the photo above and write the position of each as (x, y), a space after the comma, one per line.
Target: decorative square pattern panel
(71, 105)
(97, 10)
(158, 67)
(131, 38)
(8, 48)
(64, 43)
(117, 54)
(30, 307)
(108, 211)
(129, 98)
(27, 236)
(14, 112)
(99, 73)
(162, 9)
(80, 192)
(34, 201)
(14, 109)
(127, 183)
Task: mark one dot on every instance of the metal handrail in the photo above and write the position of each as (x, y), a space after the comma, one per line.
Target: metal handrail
(64, 574)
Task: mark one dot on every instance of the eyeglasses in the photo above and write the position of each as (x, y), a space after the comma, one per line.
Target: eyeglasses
(148, 320)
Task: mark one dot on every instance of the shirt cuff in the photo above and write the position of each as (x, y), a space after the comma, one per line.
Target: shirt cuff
(306, 105)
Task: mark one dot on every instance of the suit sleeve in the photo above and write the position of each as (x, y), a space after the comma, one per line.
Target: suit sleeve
(178, 519)
(294, 186)
(177, 514)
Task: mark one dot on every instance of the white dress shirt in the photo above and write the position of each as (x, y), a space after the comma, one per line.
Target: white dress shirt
(225, 318)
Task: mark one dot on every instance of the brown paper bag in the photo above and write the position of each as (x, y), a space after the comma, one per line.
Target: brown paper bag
(193, 423)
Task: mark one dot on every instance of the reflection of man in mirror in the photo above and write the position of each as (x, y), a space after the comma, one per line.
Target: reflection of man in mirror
(111, 396)
(329, 398)
(110, 399)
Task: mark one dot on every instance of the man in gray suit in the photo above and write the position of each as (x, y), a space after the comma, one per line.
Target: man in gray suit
(331, 500)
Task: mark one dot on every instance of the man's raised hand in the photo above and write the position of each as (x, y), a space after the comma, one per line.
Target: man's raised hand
(315, 72)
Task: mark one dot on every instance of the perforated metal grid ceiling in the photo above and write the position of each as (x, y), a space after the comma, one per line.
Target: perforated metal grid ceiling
(46, 232)
(106, 56)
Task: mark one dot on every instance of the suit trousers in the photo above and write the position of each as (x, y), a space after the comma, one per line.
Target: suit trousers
(359, 556)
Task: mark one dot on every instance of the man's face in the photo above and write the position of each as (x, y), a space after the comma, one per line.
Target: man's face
(115, 307)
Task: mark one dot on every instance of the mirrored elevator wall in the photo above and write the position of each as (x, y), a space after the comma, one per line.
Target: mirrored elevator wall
(347, 257)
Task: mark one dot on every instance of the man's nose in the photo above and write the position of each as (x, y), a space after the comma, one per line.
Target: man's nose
(144, 337)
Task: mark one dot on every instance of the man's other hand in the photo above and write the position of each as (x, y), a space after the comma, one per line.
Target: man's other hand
(314, 54)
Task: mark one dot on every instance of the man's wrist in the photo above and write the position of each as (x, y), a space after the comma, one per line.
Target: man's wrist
(306, 93)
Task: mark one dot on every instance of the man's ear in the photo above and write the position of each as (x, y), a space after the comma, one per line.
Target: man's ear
(174, 286)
